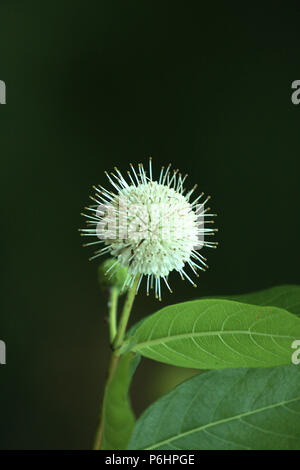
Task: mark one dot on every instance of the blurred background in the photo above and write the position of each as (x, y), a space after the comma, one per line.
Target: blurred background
(95, 84)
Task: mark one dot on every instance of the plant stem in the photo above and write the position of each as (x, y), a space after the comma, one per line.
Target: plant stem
(113, 306)
(111, 369)
(118, 339)
(125, 315)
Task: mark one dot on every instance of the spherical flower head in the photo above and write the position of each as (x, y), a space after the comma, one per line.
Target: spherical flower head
(151, 227)
(158, 247)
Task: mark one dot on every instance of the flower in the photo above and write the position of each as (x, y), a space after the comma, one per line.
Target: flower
(149, 226)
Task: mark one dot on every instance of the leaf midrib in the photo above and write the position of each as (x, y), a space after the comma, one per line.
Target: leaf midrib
(221, 421)
(166, 339)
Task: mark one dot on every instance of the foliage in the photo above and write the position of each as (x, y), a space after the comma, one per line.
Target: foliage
(251, 399)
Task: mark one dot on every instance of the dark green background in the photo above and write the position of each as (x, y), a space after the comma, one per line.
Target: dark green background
(94, 84)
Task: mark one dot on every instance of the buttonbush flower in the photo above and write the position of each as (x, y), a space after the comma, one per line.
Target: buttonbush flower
(153, 226)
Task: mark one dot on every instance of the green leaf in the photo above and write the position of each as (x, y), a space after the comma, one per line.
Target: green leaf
(118, 417)
(287, 297)
(233, 409)
(217, 334)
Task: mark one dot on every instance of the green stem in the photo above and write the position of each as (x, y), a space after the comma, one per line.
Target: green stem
(125, 315)
(111, 370)
(118, 339)
(113, 306)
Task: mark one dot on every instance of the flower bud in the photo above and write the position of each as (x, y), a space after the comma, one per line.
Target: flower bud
(112, 274)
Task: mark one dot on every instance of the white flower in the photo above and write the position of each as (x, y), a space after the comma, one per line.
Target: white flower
(153, 227)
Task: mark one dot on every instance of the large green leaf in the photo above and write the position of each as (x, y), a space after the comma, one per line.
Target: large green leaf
(287, 297)
(232, 409)
(118, 418)
(217, 334)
